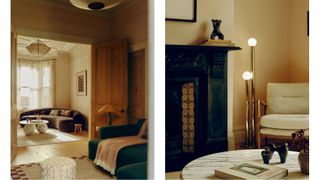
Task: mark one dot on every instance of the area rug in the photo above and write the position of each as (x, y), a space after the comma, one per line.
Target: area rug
(52, 136)
(85, 170)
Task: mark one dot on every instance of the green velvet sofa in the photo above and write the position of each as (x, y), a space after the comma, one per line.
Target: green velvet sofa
(132, 158)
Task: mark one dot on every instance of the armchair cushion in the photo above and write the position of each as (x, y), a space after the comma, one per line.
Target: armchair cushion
(280, 132)
(285, 121)
(288, 98)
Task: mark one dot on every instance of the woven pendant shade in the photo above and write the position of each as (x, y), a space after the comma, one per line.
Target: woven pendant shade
(38, 48)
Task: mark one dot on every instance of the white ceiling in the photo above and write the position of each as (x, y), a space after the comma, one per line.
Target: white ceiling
(23, 41)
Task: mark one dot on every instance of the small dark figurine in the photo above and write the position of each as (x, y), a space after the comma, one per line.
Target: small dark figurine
(216, 29)
(266, 156)
(271, 148)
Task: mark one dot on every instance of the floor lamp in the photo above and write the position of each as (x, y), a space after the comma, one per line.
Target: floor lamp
(249, 77)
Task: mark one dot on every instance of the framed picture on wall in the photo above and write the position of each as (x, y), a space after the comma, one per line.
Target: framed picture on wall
(181, 10)
(82, 83)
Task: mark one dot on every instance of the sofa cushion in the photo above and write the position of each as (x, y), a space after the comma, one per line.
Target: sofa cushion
(132, 154)
(143, 133)
(54, 112)
(67, 113)
(133, 171)
(285, 121)
(64, 123)
(288, 98)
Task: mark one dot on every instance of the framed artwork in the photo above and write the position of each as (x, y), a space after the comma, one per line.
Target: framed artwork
(82, 83)
(181, 10)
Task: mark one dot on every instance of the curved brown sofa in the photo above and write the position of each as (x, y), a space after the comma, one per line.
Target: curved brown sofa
(62, 123)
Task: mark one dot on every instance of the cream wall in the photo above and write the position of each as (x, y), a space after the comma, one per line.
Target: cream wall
(299, 41)
(80, 59)
(269, 21)
(62, 80)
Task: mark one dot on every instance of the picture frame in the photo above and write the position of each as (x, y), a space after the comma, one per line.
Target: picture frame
(181, 10)
(81, 82)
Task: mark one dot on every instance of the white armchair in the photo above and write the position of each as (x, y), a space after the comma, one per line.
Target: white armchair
(286, 110)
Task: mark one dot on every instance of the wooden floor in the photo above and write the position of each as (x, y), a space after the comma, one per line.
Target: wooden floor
(31, 154)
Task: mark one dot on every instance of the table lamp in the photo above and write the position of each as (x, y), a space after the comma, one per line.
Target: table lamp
(107, 109)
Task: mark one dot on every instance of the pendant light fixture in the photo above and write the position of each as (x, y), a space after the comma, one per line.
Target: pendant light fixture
(38, 48)
(95, 5)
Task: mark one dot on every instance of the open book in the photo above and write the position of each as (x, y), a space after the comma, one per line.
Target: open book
(251, 170)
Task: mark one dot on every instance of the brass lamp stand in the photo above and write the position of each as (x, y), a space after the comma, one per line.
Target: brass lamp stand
(249, 77)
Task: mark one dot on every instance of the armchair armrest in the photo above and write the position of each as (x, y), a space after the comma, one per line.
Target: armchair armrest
(262, 106)
(261, 112)
(117, 131)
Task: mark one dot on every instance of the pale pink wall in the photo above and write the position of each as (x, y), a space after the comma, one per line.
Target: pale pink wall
(299, 41)
(268, 22)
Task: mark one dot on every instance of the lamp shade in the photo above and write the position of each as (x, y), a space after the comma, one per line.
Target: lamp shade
(247, 75)
(107, 108)
(252, 42)
(38, 48)
(95, 4)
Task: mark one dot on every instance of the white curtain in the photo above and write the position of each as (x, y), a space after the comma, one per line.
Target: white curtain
(34, 84)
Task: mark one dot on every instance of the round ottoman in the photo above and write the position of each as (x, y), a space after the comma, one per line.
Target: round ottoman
(58, 168)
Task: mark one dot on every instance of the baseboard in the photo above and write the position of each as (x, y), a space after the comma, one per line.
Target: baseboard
(240, 134)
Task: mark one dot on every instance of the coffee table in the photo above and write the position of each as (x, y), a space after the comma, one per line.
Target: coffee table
(31, 126)
(203, 167)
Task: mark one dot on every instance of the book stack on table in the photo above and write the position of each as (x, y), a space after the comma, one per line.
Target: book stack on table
(251, 170)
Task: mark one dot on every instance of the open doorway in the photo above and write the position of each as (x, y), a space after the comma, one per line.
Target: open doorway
(53, 98)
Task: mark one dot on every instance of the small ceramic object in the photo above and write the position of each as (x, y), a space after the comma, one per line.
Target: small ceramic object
(282, 150)
(266, 156)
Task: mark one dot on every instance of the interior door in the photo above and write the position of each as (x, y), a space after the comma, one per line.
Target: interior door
(136, 107)
(109, 83)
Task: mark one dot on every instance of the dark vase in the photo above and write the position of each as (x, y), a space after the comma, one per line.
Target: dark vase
(304, 162)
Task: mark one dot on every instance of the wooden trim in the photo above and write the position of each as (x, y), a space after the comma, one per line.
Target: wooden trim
(92, 124)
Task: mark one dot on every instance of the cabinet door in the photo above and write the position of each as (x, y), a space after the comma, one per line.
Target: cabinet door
(109, 82)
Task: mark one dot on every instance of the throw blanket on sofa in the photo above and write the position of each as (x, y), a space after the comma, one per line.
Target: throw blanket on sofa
(108, 149)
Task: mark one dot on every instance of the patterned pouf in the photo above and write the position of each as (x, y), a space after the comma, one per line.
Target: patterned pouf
(58, 168)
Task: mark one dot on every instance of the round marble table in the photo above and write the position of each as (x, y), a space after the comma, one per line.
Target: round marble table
(31, 126)
(203, 167)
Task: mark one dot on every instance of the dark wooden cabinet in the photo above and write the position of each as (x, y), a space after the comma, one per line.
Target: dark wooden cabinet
(206, 68)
